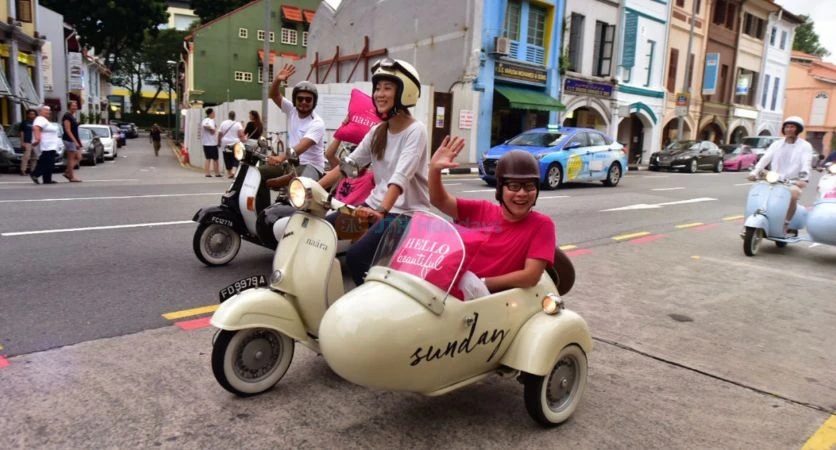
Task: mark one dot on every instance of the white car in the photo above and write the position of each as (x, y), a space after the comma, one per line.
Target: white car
(105, 135)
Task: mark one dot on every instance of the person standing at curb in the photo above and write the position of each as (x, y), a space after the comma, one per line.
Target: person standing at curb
(71, 142)
(45, 137)
(28, 158)
(156, 137)
(230, 133)
(210, 143)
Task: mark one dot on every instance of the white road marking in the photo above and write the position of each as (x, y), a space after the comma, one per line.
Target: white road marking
(745, 184)
(482, 190)
(85, 181)
(108, 227)
(668, 189)
(122, 197)
(661, 205)
(655, 176)
(814, 244)
(452, 184)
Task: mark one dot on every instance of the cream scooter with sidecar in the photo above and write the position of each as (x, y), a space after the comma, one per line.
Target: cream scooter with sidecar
(401, 330)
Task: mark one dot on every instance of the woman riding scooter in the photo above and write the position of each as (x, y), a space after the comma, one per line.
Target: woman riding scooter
(397, 151)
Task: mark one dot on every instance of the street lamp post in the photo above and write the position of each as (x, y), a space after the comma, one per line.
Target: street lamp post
(171, 102)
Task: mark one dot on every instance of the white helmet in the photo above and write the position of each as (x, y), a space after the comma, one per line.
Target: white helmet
(793, 120)
(404, 76)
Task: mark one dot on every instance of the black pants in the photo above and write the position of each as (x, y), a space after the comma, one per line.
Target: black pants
(361, 253)
(46, 162)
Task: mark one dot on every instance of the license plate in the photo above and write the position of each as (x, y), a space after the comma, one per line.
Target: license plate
(241, 285)
(664, 163)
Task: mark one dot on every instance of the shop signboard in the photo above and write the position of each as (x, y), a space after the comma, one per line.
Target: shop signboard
(581, 87)
(508, 70)
(709, 81)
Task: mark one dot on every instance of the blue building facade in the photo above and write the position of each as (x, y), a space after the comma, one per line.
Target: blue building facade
(519, 77)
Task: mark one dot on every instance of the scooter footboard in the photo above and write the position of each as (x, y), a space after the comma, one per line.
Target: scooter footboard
(536, 346)
(260, 308)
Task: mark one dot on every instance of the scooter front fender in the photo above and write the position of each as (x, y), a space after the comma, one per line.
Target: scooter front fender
(260, 308)
(536, 346)
(757, 221)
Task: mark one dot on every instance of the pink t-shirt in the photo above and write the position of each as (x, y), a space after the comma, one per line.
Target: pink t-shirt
(355, 191)
(508, 244)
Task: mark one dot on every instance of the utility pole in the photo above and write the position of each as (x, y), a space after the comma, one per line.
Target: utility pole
(265, 64)
(686, 83)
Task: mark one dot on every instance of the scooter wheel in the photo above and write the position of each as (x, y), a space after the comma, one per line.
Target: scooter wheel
(214, 244)
(752, 240)
(251, 361)
(551, 400)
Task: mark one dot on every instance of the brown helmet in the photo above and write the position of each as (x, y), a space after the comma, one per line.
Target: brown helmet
(519, 165)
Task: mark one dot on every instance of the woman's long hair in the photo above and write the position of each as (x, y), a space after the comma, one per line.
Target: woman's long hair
(380, 135)
(259, 127)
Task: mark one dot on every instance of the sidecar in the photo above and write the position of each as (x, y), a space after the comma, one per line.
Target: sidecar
(407, 329)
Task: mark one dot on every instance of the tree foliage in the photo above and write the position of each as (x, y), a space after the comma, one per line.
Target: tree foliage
(111, 27)
(211, 9)
(807, 40)
(150, 66)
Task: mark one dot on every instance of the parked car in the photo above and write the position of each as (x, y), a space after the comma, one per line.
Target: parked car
(129, 129)
(11, 152)
(92, 151)
(689, 156)
(566, 154)
(759, 144)
(105, 135)
(118, 136)
(738, 157)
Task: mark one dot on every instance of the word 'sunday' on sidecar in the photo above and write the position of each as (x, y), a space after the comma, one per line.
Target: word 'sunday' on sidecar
(402, 330)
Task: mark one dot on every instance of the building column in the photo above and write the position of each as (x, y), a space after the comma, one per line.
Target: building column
(14, 82)
(38, 79)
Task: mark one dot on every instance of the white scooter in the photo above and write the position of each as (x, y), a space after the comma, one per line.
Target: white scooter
(401, 330)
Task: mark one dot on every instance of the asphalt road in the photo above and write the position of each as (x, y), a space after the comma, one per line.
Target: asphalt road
(697, 346)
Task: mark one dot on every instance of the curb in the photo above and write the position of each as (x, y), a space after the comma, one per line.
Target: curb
(179, 155)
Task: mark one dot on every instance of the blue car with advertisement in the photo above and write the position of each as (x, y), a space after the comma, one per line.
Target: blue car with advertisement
(566, 154)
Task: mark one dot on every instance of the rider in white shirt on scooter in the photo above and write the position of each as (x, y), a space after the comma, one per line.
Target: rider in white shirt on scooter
(792, 158)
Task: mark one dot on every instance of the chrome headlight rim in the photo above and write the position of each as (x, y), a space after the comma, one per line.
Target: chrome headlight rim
(552, 304)
(299, 195)
(238, 151)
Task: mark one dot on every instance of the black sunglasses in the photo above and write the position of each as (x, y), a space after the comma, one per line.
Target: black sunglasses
(304, 99)
(514, 186)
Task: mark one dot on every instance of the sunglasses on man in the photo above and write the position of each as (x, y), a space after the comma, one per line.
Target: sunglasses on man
(515, 186)
(300, 99)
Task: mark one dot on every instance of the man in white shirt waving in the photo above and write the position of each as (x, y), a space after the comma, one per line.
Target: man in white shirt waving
(792, 158)
(306, 130)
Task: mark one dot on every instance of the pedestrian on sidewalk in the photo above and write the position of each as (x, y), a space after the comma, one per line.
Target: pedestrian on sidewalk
(210, 143)
(45, 137)
(72, 144)
(230, 133)
(27, 162)
(156, 137)
(254, 128)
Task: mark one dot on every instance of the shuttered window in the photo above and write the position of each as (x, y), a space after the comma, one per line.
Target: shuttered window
(672, 66)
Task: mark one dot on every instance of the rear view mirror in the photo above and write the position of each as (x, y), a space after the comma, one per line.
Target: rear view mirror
(349, 168)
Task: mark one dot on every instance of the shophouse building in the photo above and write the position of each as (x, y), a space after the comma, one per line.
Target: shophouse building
(52, 28)
(810, 90)
(683, 69)
(20, 60)
(719, 70)
(640, 90)
(777, 51)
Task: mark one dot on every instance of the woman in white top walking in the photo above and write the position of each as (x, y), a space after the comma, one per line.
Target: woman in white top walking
(45, 138)
(397, 151)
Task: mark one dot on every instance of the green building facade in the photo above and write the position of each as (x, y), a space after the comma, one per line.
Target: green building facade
(226, 54)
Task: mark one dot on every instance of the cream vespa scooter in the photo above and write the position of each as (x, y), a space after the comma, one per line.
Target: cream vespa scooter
(403, 329)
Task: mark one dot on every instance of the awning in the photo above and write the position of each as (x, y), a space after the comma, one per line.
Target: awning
(272, 56)
(292, 13)
(26, 89)
(309, 15)
(532, 100)
(4, 85)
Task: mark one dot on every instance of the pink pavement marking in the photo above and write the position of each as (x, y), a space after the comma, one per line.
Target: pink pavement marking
(193, 324)
(579, 252)
(642, 240)
(3, 362)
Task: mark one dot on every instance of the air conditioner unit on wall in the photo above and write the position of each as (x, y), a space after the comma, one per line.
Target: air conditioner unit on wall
(502, 46)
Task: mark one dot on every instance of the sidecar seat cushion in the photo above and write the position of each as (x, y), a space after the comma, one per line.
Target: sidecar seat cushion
(361, 117)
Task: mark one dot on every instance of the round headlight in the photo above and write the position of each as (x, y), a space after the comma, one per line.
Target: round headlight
(772, 177)
(552, 304)
(238, 151)
(298, 194)
(832, 169)
(276, 277)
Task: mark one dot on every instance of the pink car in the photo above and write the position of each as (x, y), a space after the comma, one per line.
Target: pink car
(739, 157)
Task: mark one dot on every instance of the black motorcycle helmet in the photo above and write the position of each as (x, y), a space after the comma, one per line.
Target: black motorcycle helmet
(517, 165)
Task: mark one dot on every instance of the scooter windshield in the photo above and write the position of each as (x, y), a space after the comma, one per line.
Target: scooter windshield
(424, 245)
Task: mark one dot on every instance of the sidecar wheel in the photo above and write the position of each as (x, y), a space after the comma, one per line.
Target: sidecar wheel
(214, 244)
(551, 400)
(752, 241)
(249, 362)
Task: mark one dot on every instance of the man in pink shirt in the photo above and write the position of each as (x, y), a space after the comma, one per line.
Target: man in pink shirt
(525, 239)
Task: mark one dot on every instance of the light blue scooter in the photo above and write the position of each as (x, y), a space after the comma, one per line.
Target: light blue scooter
(766, 209)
